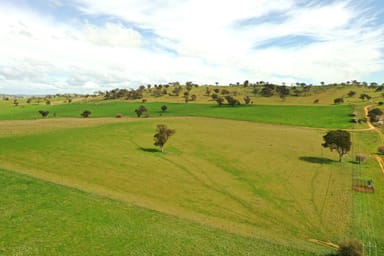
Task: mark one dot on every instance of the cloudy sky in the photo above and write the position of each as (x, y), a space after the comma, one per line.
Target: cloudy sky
(57, 46)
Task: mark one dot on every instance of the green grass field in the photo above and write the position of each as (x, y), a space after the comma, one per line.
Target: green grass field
(41, 218)
(311, 116)
(248, 180)
(220, 173)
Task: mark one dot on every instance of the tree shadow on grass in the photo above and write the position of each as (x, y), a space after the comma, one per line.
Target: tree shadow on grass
(150, 150)
(317, 160)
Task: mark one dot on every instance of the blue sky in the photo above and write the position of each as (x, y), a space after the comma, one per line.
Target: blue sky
(57, 46)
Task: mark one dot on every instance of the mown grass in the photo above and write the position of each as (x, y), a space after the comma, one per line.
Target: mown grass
(269, 182)
(41, 218)
(310, 116)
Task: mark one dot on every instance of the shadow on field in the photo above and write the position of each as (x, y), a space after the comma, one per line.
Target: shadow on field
(151, 150)
(316, 160)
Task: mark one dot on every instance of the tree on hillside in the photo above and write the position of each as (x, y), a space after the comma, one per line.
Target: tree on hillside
(247, 100)
(220, 100)
(351, 93)
(162, 135)
(141, 110)
(43, 113)
(364, 96)
(338, 140)
(232, 101)
(86, 113)
(283, 91)
(375, 114)
(338, 100)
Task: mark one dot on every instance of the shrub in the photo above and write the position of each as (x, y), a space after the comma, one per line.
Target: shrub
(141, 110)
(119, 115)
(164, 108)
(86, 113)
(338, 100)
(360, 158)
(43, 113)
(247, 100)
(381, 149)
(316, 101)
(350, 248)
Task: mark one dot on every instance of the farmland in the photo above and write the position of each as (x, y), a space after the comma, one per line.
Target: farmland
(233, 180)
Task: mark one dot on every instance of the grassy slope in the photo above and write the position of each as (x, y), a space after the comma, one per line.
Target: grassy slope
(40, 218)
(311, 116)
(220, 173)
(368, 208)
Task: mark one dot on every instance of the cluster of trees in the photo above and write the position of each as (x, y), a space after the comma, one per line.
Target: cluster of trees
(124, 94)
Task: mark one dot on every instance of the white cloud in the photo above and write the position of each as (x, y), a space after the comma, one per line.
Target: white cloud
(205, 39)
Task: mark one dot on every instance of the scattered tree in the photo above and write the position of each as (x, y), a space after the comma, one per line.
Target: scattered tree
(247, 100)
(364, 96)
(162, 135)
(232, 101)
(283, 91)
(86, 113)
(220, 100)
(375, 114)
(316, 101)
(164, 108)
(141, 110)
(43, 113)
(338, 100)
(351, 93)
(338, 140)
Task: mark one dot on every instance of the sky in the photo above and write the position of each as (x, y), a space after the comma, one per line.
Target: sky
(84, 46)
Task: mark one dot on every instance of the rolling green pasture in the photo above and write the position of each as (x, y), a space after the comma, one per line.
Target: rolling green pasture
(310, 116)
(41, 218)
(266, 182)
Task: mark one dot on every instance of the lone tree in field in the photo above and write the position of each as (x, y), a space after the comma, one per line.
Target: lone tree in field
(141, 110)
(338, 140)
(164, 108)
(86, 113)
(162, 135)
(43, 113)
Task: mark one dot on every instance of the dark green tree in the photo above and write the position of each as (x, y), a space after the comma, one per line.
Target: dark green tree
(247, 100)
(164, 108)
(43, 113)
(162, 135)
(220, 100)
(338, 100)
(232, 101)
(338, 140)
(141, 110)
(86, 113)
(374, 113)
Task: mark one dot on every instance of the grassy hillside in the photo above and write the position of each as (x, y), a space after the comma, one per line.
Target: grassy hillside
(264, 181)
(245, 180)
(311, 116)
(41, 218)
